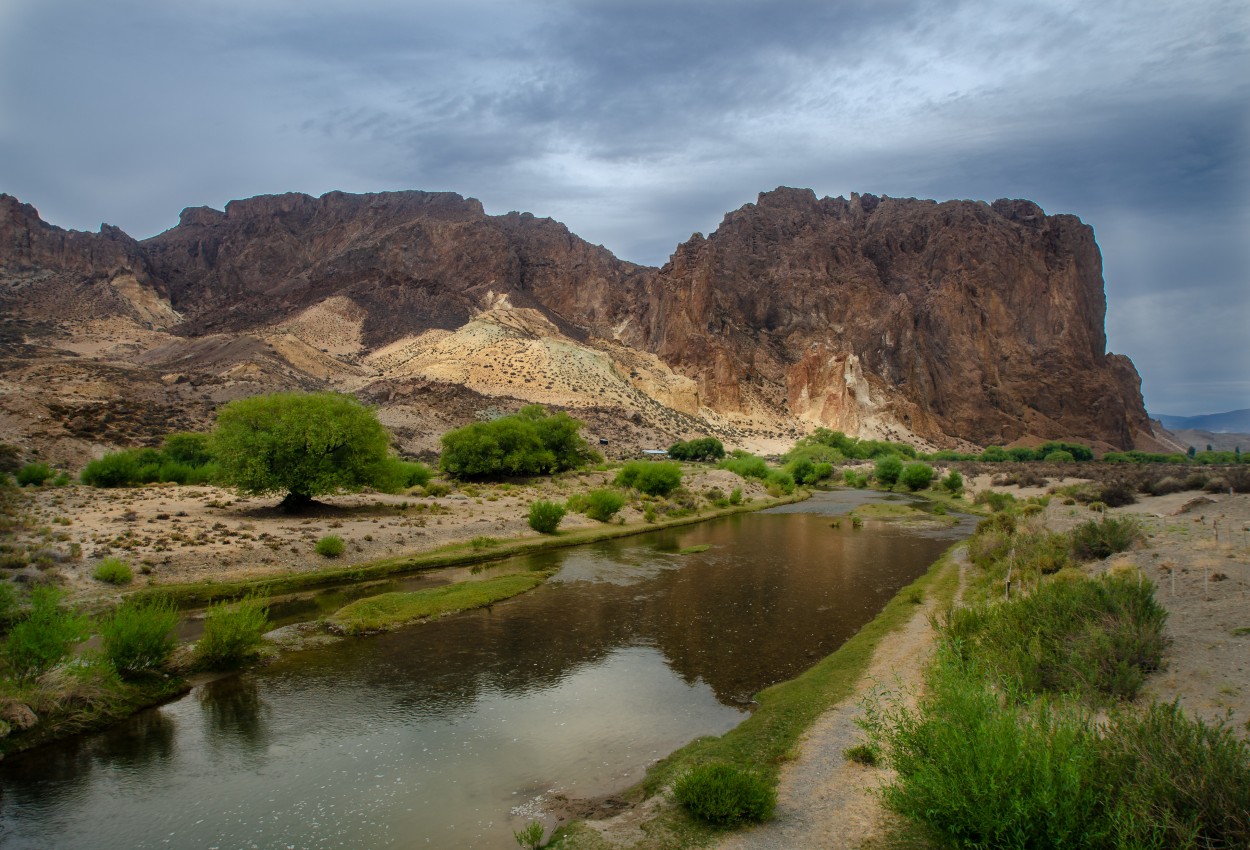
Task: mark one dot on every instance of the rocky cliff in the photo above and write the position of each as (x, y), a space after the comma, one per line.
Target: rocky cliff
(953, 323)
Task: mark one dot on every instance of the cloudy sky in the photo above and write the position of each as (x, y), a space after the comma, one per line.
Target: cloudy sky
(638, 122)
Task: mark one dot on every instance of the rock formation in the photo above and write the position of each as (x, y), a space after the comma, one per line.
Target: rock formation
(952, 323)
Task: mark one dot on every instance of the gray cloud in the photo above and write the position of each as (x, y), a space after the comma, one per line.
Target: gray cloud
(637, 123)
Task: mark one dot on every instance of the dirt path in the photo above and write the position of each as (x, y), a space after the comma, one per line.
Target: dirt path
(825, 800)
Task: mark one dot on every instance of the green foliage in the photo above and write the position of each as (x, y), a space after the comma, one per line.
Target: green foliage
(330, 546)
(529, 442)
(735, 496)
(745, 465)
(545, 517)
(1023, 454)
(1078, 451)
(187, 448)
(232, 633)
(1097, 637)
(997, 501)
(779, 483)
(1059, 456)
(806, 471)
(724, 795)
(391, 610)
(603, 504)
(184, 459)
(33, 475)
(305, 444)
(113, 571)
(916, 476)
(395, 475)
(865, 754)
(888, 469)
(138, 636)
(953, 483)
(1100, 538)
(994, 454)
(649, 513)
(8, 603)
(850, 447)
(43, 637)
(852, 478)
(531, 836)
(703, 448)
(655, 478)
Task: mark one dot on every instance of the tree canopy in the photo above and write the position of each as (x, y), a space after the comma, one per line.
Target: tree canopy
(528, 442)
(306, 444)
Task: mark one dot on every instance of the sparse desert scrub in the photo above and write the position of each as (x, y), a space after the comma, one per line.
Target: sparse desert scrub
(113, 571)
(330, 546)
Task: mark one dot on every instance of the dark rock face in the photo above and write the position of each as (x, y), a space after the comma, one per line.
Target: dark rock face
(983, 322)
(954, 321)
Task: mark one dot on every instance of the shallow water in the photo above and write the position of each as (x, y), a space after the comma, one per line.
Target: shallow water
(456, 732)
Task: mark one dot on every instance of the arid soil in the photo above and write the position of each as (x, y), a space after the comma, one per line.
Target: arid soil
(171, 534)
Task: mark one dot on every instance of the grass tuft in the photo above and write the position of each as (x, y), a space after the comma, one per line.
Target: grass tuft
(391, 610)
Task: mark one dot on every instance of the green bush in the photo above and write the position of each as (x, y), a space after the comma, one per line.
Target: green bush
(1059, 456)
(1101, 538)
(113, 571)
(545, 516)
(725, 795)
(953, 483)
(232, 633)
(994, 454)
(33, 475)
(704, 448)
(745, 465)
(997, 501)
(851, 478)
(888, 469)
(330, 546)
(138, 636)
(8, 603)
(916, 476)
(603, 504)
(529, 442)
(187, 448)
(44, 636)
(117, 469)
(735, 496)
(779, 483)
(655, 478)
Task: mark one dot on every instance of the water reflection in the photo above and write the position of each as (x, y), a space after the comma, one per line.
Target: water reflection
(436, 732)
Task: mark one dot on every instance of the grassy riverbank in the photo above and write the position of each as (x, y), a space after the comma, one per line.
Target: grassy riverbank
(769, 737)
(391, 610)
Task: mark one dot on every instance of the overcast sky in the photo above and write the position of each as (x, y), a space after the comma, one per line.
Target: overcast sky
(638, 122)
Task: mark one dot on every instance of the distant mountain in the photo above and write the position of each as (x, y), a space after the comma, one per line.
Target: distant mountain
(1234, 421)
(948, 324)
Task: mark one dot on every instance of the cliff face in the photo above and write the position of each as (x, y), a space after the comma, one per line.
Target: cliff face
(981, 322)
(953, 322)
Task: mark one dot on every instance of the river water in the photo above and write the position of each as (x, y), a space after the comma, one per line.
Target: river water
(456, 732)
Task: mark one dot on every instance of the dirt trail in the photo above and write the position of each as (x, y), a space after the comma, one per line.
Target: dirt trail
(825, 800)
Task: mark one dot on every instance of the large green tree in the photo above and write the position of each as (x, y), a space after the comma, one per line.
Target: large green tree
(306, 444)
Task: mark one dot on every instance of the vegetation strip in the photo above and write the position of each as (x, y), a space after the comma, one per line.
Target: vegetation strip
(392, 610)
(192, 595)
(766, 739)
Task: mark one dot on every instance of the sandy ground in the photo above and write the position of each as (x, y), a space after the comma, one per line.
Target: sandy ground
(172, 534)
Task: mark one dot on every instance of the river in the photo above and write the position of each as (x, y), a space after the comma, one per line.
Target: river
(455, 732)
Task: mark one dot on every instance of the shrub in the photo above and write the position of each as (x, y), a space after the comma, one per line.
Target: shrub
(865, 754)
(603, 504)
(1116, 494)
(725, 795)
(187, 448)
(529, 442)
(1059, 456)
(858, 480)
(435, 489)
(704, 448)
(649, 513)
(138, 636)
(916, 476)
(953, 483)
(888, 469)
(997, 501)
(8, 603)
(117, 469)
(531, 836)
(779, 483)
(745, 465)
(545, 516)
(655, 478)
(33, 475)
(330, 546)
(1165, 485)
(1101, 538)
(113, 571)
(44, 636)
(735, 496)
(232, 633)
(995, 454)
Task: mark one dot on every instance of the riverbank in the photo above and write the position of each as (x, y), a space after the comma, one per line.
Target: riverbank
(1196, 553)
